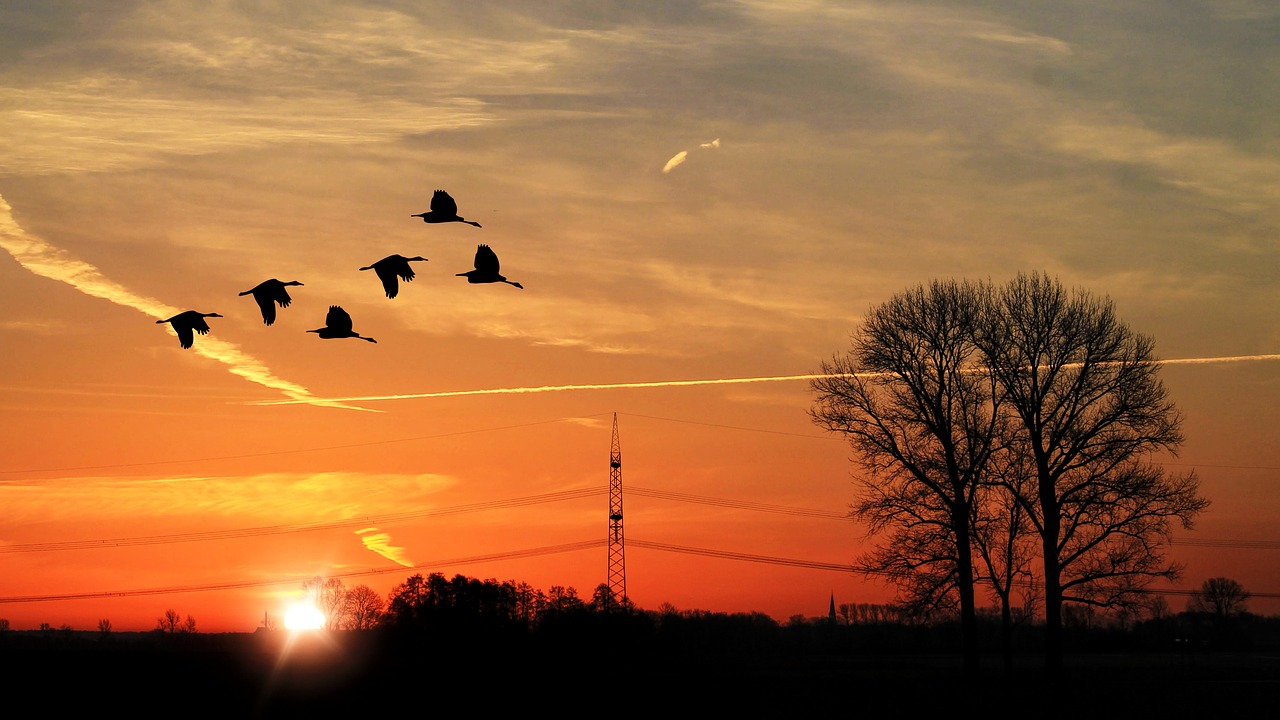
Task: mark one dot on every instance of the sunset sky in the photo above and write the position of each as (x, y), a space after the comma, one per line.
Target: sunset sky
(701, 201)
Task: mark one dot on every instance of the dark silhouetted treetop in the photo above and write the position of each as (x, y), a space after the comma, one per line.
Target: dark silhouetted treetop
(393, 268)
(187, 323)
(268, 294)
(337, 324)
(443, 210)
(486, 268)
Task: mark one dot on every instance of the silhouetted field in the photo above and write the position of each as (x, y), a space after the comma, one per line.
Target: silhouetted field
(276, 674)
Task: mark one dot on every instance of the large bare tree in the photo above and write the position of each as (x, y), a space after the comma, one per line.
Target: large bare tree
(918, 410)
(1220, 597)
(364, 607)
(1091, 414)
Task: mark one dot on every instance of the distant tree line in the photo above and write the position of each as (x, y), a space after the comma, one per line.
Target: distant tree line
(462, 611)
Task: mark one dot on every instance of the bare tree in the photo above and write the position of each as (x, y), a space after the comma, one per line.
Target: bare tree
(1083, 391)
(1221, 597)
(189, 625)
(919, 411)
(170, 621)
(364, 607)
(1005, 543)
(104, 627)
(329, 596)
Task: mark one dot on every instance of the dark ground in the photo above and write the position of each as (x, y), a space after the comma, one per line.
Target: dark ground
(323, 675)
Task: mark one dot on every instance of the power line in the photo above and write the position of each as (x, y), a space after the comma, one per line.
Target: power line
(236, 585)
(492, 557)
(739, 504)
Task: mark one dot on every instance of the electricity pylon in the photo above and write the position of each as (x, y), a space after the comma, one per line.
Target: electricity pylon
(617, 556)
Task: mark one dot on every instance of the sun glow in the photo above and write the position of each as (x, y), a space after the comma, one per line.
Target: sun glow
(303, 616)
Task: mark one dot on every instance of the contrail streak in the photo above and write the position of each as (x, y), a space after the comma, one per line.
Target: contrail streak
(54, 263)
(690, 383)
(560, 388)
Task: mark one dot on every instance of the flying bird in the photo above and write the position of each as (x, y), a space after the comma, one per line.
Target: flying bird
(443, 210)
(392, 267)
(486, 268)
(337, 324)
(268, 294)
(187, 323)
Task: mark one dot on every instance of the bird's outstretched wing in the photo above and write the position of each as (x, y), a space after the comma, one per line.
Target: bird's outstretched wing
(185, 337)
(268, 307)
(388, 277)
(199, 325)
(338, 319)
(486, 260)
(443, 204)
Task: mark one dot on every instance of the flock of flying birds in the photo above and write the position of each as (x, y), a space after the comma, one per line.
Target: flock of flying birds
(390, 270)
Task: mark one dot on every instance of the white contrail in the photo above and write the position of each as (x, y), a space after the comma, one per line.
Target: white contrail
(561, 388)
(54, 263)
(689, 383)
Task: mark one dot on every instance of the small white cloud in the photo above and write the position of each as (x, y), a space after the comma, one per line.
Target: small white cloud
(673, 162)
(713, 144)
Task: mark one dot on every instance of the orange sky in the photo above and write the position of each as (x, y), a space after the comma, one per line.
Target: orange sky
(162, 159)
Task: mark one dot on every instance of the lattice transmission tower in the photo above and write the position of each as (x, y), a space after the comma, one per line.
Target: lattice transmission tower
(617, 556)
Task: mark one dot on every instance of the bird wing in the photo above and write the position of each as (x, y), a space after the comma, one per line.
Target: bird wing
(267, 305)
(338, 319)
(388, 277)
(185, 336)
(486, 259)
(443, 204)
(282, 295)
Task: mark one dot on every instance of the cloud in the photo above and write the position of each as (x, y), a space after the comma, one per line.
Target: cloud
(54, 263)
(380, 543)
(675, 161)
(681, 156)
(273, 499)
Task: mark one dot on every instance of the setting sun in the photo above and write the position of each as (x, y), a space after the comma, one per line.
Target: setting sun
(303, 616)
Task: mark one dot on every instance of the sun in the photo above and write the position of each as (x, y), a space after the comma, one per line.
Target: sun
(303, 616)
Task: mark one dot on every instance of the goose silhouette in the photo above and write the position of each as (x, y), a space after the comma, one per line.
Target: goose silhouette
(185, 324)
(268, 293)
(443, 209)
(392, 267)
(337, 324)
(486, 270)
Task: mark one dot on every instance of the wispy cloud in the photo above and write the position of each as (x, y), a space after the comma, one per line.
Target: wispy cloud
(380, 543)
(54, 263)
(273, 499)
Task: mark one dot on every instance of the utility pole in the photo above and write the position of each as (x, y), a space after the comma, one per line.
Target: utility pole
(617, 557)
